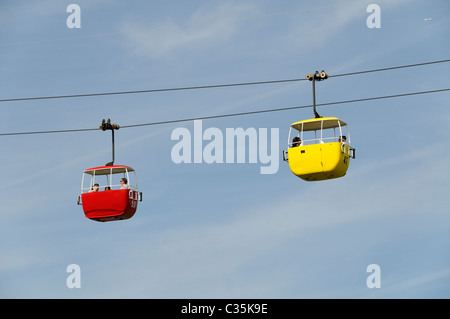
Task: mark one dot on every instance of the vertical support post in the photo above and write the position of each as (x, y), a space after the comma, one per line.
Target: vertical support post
(112, 146)
(314, 97)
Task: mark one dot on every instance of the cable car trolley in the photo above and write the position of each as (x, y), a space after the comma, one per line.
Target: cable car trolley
(109, 192)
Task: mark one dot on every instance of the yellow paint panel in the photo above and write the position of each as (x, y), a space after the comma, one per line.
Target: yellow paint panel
(306, 159)
(319, 161)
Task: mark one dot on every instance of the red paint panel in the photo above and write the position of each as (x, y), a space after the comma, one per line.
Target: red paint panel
(109, 205)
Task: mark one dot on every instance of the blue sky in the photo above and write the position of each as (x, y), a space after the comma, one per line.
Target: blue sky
(224, 230)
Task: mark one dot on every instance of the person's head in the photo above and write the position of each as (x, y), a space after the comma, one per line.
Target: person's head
(95, 188)
(296, 141)
(342, 138)
(123, 181)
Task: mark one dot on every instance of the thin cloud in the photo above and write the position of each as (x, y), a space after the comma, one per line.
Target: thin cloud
(205, 28)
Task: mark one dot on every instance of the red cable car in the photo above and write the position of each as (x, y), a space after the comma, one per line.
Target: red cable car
(109, 192)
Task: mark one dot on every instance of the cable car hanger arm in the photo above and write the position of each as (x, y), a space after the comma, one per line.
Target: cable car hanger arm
(313, 77)
(106, 125)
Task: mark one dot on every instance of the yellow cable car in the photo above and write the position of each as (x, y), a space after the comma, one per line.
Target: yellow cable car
(320, 150)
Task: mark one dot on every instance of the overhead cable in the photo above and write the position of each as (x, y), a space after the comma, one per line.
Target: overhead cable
(231, 114)
(209, 86)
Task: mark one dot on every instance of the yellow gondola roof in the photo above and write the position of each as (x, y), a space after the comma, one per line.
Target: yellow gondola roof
(316, 123)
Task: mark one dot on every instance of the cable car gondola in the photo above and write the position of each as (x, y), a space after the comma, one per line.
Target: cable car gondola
(314, 154)
(109, 192)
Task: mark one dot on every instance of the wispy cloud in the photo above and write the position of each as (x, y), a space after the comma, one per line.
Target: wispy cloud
(205, 27)
(412, 283)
